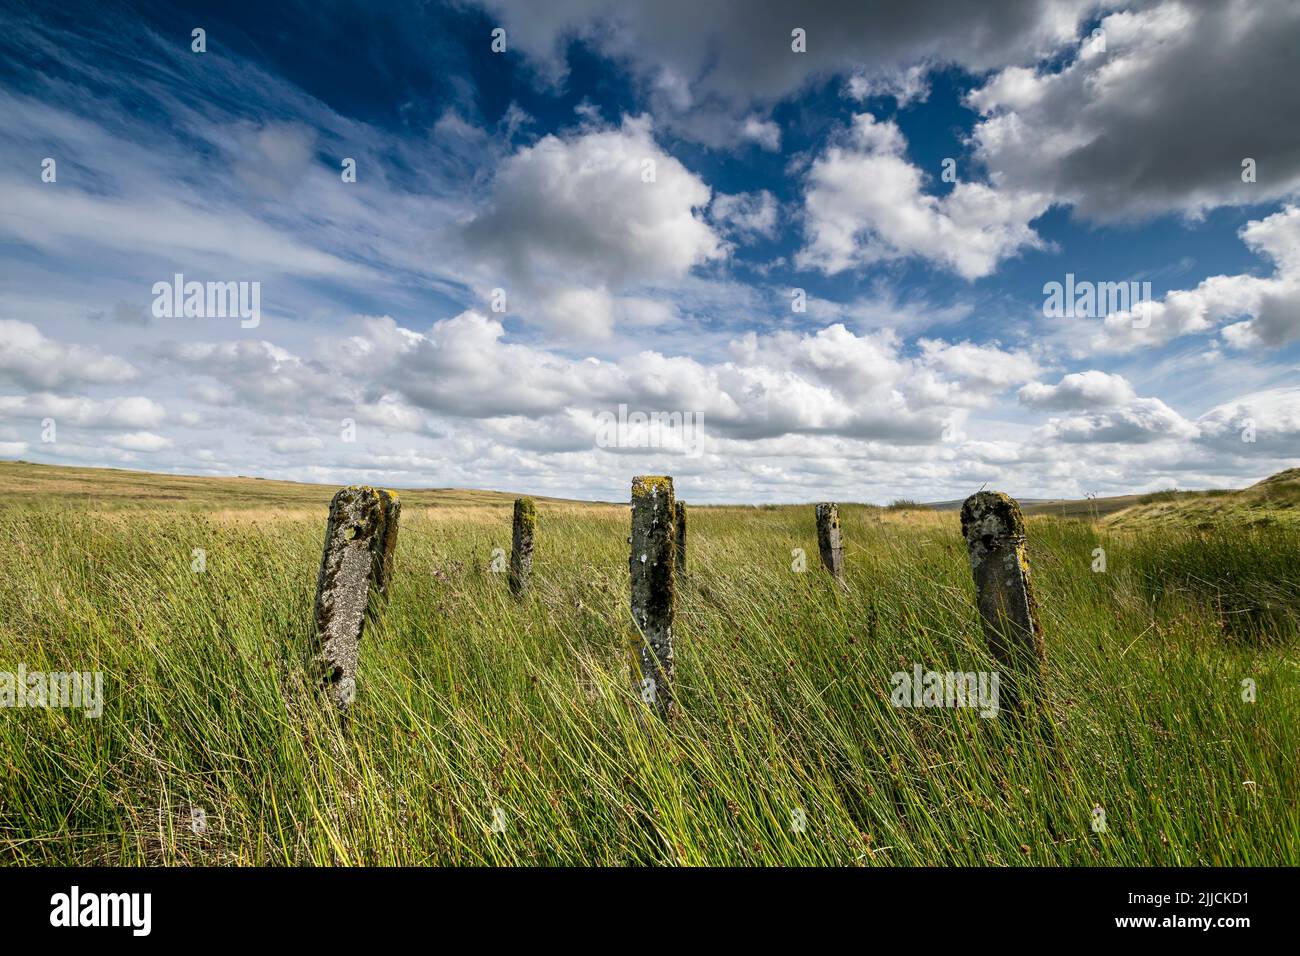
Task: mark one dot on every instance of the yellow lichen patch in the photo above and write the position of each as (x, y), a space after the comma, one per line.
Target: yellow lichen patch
(652, 485)
(526, 512)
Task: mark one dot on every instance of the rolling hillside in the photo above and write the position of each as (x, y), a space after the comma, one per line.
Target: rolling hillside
(23, 482)
(1273, 502)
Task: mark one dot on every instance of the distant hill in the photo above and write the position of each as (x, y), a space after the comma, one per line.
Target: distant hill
(1090, 508)
(956, 503)
(23, 482)
(1273, 502)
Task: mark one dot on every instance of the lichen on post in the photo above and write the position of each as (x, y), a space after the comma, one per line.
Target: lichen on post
(994, 529)
(829, 542)
(355, 573)
(521, 545)
(681, 536)
(652, 565)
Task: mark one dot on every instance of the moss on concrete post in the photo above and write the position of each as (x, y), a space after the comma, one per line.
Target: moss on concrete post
(994, 529)
(829, 542)
(681, 537)
(652, 564)
(355, 573)
(521, 545)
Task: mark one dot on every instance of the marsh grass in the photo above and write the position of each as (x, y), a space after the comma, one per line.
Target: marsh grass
(1248, 579)
(469, 701)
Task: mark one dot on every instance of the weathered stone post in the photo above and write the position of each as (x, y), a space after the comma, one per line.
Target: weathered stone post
(521, 545)
(355, 572)
(681, 536)
(652, 563)
(994, 529)
(828, 539)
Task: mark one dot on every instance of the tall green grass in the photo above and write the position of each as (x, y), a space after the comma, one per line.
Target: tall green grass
(1247, 579)
(470, 702)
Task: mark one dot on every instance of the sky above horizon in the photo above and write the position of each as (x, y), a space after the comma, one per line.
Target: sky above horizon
(822, 234)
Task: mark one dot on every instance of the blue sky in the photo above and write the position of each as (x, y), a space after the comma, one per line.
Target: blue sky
(621, 208)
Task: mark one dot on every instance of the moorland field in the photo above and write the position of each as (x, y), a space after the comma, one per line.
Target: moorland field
(488, 730)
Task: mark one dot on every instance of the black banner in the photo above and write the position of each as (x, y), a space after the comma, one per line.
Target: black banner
(880, 904)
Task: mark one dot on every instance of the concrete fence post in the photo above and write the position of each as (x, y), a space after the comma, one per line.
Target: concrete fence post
(355, 573)
(652, 565)
(994, 529)
(681, 537)
(521, 545)
(829, 542)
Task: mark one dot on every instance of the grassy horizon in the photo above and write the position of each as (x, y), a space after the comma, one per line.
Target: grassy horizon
(470, 702)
